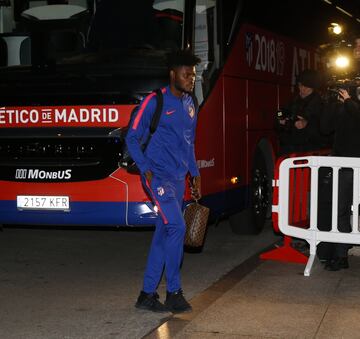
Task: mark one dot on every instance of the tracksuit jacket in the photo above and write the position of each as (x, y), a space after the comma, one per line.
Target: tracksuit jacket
(170, 152)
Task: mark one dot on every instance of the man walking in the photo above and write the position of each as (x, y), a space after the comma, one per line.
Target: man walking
(164, 165)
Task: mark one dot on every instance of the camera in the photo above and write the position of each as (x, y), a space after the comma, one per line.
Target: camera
(352, 86)
(286, 115)
(332, 94)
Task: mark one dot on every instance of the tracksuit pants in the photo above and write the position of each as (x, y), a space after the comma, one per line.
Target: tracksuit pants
(167, 245)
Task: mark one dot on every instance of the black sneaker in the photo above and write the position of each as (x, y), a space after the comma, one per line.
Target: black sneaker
(176, 303)
(337, 264)
(150, 302)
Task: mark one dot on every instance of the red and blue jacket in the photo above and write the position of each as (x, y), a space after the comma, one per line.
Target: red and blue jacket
(170, 152)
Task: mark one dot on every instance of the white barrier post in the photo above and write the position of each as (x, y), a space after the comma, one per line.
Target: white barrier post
(355, 216)
(313, 220)
(312, 234)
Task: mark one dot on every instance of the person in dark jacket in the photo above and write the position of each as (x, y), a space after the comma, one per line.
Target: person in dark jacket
(341, 118)
(166, 161)
(299, 131)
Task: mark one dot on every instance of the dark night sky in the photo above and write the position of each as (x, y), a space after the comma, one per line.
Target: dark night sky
(305, 18)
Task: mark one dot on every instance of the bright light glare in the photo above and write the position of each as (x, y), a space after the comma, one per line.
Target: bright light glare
(337, 29)
(342, 62)
(234, 180)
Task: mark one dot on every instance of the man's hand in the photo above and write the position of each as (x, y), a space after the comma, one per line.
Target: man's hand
(283, 122)
(195, 187)
(301, 122)
(343, 94)
(148, 175)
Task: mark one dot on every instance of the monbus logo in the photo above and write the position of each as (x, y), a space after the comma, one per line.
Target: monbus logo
(24, 173)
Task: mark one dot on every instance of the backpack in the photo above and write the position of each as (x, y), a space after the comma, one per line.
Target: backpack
(126, 161)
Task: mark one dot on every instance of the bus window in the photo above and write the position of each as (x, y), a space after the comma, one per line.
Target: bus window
(205, 46)
(169, 16)
(150, 24)
(67, 31)
(230, 10)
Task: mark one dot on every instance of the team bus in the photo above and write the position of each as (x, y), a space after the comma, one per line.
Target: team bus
(72, 72)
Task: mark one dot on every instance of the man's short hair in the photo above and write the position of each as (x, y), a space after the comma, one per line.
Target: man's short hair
(183, 57)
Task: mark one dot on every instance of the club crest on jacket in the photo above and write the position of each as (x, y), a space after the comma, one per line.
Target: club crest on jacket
(191, 111)
(160, 191)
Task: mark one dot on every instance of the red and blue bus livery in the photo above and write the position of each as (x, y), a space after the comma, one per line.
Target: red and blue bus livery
(49, 161)
(69, 87)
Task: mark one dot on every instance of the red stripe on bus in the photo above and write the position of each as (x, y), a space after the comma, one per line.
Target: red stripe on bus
(170, 16)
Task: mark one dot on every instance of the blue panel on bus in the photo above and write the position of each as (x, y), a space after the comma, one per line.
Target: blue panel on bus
(227, 202)
(109, 214)
(82, 213)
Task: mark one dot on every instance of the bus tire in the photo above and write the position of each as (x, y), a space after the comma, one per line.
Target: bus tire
(252, 219)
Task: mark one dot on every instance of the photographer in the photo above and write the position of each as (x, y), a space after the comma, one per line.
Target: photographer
(342, 119)
(299, 129)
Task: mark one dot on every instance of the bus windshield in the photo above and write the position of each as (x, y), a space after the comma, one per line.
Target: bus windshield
(71, 32)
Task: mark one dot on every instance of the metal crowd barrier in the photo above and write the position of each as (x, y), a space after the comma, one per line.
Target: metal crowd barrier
(297, 207)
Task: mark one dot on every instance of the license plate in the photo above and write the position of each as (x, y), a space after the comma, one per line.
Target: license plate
(40, 202)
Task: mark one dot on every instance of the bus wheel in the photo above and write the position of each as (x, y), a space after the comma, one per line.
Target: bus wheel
(253, 219)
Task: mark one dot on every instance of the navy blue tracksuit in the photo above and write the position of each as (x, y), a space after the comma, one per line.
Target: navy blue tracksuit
(169, 156)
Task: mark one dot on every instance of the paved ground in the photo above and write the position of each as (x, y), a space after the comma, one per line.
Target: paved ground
(274, 301)
(83, 284)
